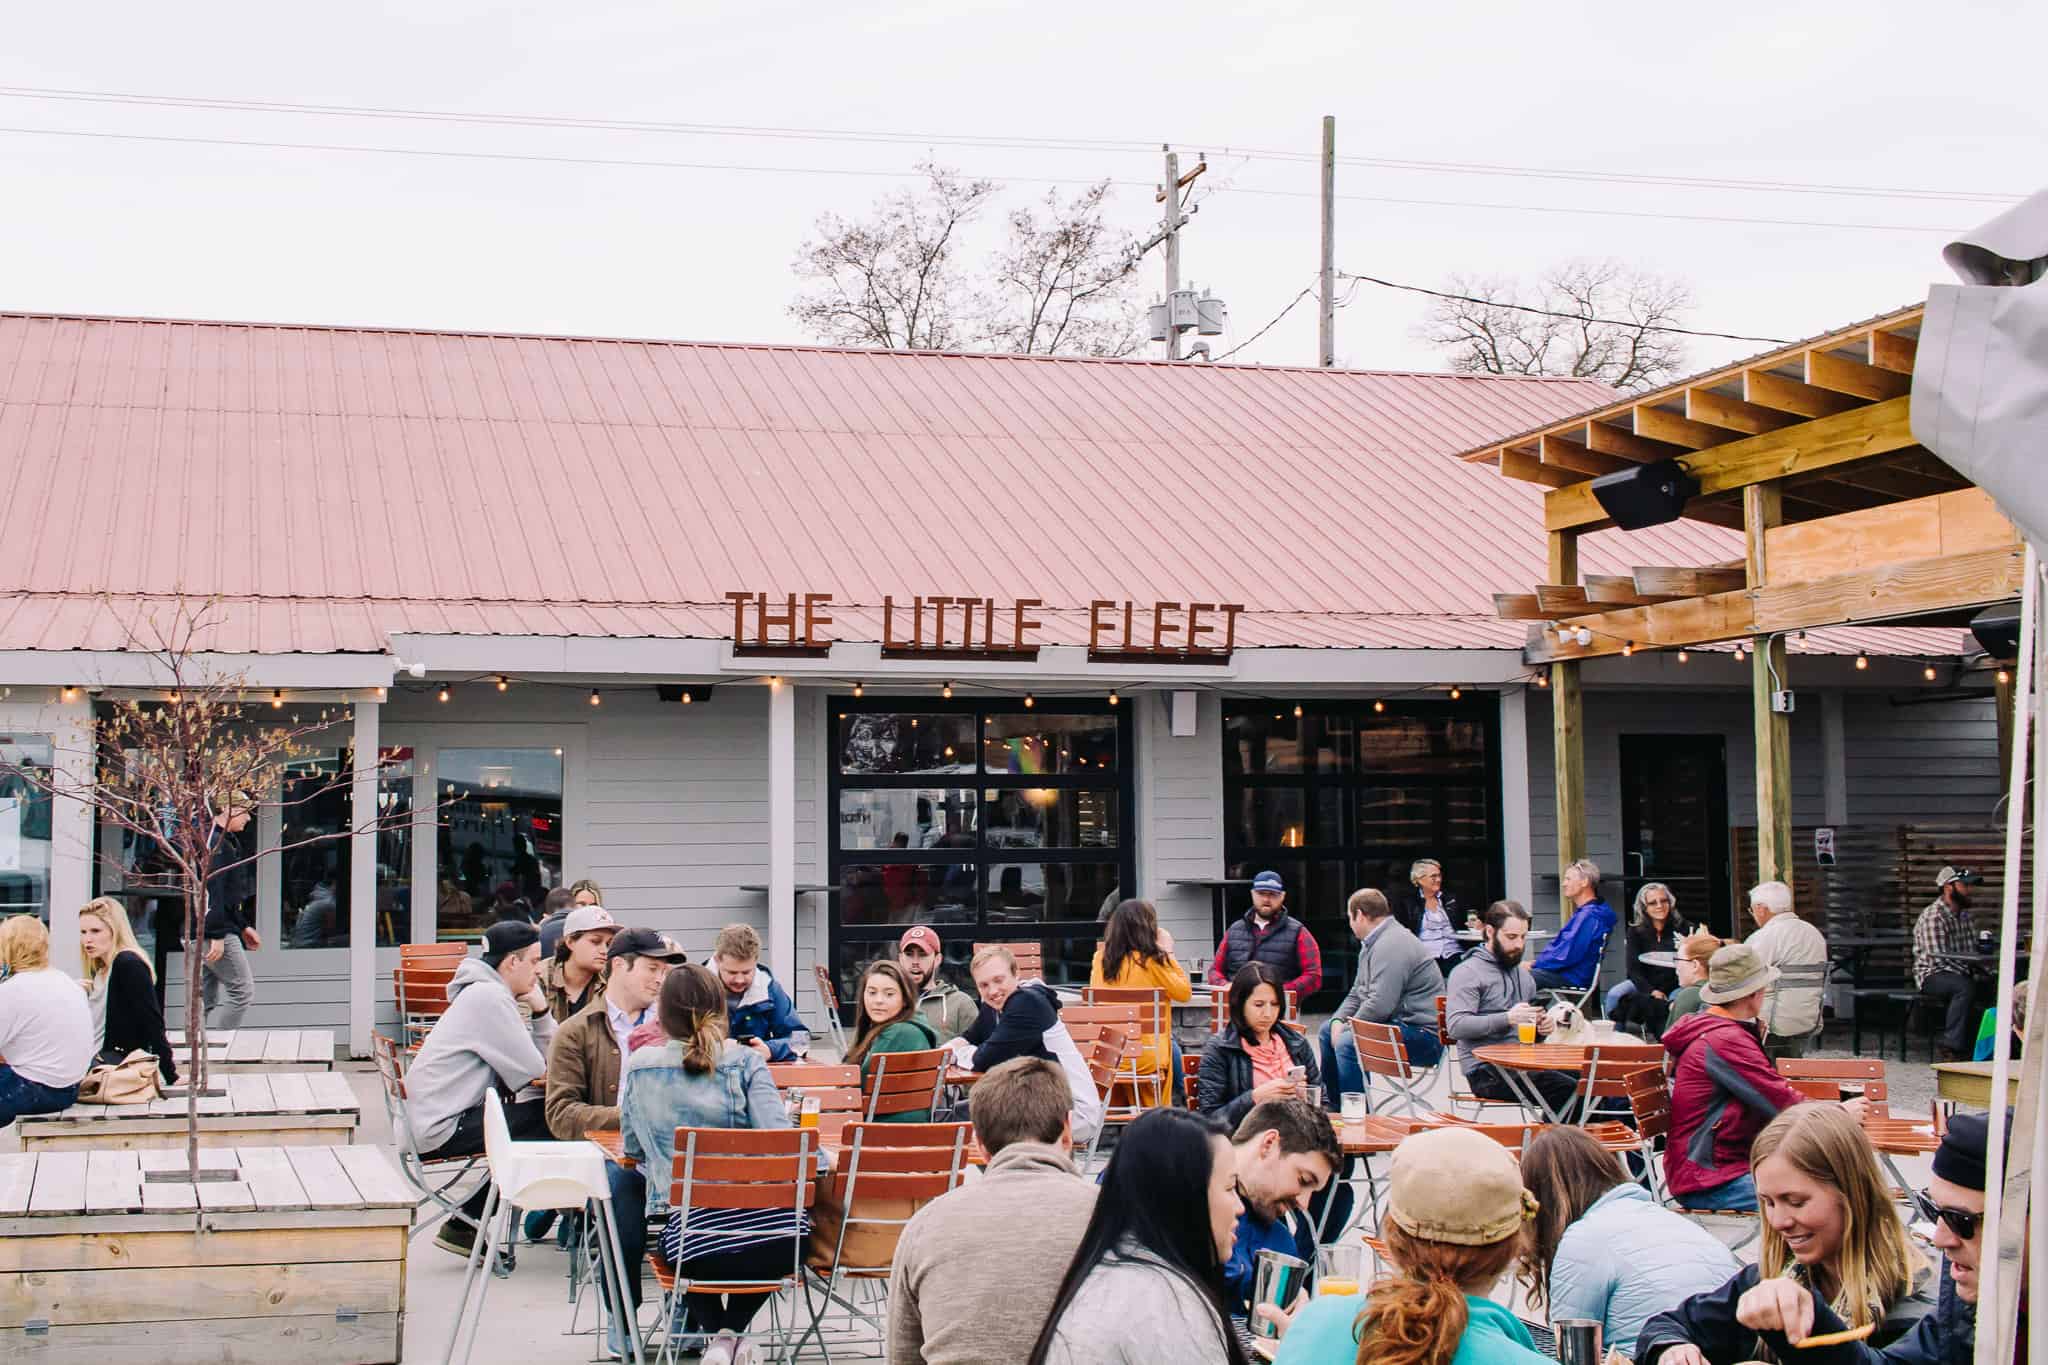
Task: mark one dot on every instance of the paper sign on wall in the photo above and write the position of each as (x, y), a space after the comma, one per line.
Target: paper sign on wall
(1824, 846)
(10, 834)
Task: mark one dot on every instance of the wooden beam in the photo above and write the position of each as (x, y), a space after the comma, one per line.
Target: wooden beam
(1518, 606)
(1820, 444)
(1924, 528)
(1662, 424)
(1563, 547)
(1558, 599)
(1763, 509)
(1695, 581)
(1605, 438)
(1556, 450)
(1884, 593)
(1826, 370)
(1515, 465)
(1617, 590)
(1753, 419)
(1769, 389)
(1893, 351)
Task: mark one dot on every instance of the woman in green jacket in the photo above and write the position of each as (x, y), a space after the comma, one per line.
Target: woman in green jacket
(887, 1021)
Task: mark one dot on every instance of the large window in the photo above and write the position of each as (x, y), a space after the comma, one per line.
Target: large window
(315, 816)
(500, 846)
(1342, 796)
(990, 821)
(25, 828)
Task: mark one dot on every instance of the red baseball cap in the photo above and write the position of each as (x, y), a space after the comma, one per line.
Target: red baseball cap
(923, 935)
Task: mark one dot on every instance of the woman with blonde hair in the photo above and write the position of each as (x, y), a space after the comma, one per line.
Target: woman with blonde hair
(45, 1027)
(120, 987)
(1829, 1224)
(1457, 1221)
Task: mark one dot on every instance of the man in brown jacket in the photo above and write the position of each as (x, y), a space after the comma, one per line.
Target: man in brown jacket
(584, 1062)
(977, 1269)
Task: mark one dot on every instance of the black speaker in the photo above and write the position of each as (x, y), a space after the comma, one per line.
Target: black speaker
(1998, 630)
(1648, 495)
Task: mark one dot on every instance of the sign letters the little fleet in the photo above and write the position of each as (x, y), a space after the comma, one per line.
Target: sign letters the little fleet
(962, 627)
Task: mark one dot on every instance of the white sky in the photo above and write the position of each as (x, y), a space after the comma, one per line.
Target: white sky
(1868, 94)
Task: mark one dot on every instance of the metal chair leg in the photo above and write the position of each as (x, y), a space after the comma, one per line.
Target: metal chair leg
(480, 1251)
(619, 1296)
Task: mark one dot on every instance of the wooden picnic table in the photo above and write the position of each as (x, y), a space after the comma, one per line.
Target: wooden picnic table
(300, 1257)
(1970, 1083)
(289, 1109)
(275, 1049)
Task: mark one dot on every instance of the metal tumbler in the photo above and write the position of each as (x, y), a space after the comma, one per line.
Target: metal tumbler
(1278, 1279)
(1578, 1341)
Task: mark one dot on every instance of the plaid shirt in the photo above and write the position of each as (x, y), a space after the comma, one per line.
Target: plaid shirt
(1942, 937)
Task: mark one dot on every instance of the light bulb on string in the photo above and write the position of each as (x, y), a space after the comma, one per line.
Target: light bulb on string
(1456, 692)
(595, 699)
(1685, 656)
(858, 689)
(1297, 710)
(504, 683)
(1929, 673)
(946, 691)
(1113, 698)
(1862, 662)
(443, 695)
(1378, 705)
(1029, 701)
(277, 699)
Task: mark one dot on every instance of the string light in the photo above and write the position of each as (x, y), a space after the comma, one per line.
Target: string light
(1628, 647)
(946, 691)
(380, 695)
(595, 699)
(1113, 698)
(687, 697)
(1456, 691)
(858, 689)
(1029, 701)
(1929, 673)
(1378, 705)
(1862, 662)
(444, 692)
(1739, 654)
(1685, 656)
(1543, 681)
(2004, 677)
(503, 682)
(277, 699)
(177, 696)
(1297, 710)
(70, 693)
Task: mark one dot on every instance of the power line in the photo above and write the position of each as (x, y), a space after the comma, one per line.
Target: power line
(1568, 317)
(912, 174)
(1292, 305)
(1035, 143)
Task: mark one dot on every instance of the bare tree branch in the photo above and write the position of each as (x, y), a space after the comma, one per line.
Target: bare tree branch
(1601, 324)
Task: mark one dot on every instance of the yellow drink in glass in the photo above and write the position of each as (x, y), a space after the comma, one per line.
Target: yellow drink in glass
(1328, 1285)
(1526, 1034)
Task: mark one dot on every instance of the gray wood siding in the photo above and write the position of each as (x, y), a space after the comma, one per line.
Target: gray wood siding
(1934, 763)
(1180, 814)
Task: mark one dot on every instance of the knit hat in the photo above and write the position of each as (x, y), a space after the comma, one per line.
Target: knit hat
(1734, 972)
(1963, 1155)
(507, 937)
(1459, 1186)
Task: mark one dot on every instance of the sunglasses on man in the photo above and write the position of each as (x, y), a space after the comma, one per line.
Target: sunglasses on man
(1961, 1222)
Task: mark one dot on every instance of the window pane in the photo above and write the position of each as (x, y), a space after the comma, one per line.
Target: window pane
(1423, 745)
(313, 878)
(500, 836)
(25, 827)
(1031, 744)
(1021, 892)
(1403, 817)
(1279, 741)
(906, 817)
(1049, 817)
(394, 846)
(907, 893)
(898, 742)
(1270, 817)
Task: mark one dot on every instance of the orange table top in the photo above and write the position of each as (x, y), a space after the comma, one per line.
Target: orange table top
(1533, 1056)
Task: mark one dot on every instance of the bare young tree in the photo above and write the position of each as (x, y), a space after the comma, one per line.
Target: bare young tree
(1589, 319)
(173, 773)
(1060, 281)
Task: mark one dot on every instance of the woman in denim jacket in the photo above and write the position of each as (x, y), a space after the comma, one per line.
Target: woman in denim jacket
(701, 1078)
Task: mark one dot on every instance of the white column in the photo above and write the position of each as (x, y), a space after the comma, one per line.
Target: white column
(362, 883)
(71, 827)
(1515, 796)
(270, 925)
(782, 832)
(1834, 761)
(426, 848)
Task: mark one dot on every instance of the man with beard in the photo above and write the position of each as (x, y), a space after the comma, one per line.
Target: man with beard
(1268, 934)
(949, 1010)
(1944, 946)
(1489, 994)
(1285, 1151)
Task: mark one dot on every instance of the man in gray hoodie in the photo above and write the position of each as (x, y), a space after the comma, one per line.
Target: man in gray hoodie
(482, 1040)
(1397, 983)
(977, 1269)
(1489, 995)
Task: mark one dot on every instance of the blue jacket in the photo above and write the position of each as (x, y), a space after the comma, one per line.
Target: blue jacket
(1321, 1335)
(1627, 1259)
(658, 1095)
(765, 1012)
(1288, 1233)
(1575, 953)
(1947, 1336)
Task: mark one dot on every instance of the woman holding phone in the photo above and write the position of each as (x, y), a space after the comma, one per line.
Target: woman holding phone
(1256, 1057)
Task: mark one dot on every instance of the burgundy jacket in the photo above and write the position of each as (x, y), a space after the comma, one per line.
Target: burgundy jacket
(1723, 1091)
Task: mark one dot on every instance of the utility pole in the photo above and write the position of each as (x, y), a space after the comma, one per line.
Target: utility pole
(1170, 226)
(1326, 349)
(1180, 310)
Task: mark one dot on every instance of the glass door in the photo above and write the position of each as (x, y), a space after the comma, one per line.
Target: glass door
(1674, 824)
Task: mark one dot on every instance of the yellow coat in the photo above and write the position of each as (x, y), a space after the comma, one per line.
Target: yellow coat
(1155, 1052)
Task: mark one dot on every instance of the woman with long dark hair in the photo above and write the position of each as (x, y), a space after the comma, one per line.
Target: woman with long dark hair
(1603, 1248)
(1457, 1220)
(1147, 1281)
(1137, 954)
(1250, 1061)
(886, 1020)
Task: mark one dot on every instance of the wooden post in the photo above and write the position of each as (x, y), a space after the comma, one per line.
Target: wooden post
(1763, 508)
(1567, 720)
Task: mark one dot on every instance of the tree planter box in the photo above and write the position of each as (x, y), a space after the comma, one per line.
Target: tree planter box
(272, 1050)
(301, 1259)
(241, 1110)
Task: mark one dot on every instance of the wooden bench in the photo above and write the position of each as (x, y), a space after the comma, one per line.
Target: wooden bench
(301, 1257)
(275, 1049)
(287, 1110)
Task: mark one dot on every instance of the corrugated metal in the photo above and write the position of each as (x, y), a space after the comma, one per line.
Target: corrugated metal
(335, 486)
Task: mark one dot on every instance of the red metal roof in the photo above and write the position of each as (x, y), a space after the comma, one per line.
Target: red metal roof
(335, 486)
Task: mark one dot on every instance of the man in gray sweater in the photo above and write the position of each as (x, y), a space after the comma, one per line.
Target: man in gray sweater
(977, 1269)
(1397, 983)
(1490, 994)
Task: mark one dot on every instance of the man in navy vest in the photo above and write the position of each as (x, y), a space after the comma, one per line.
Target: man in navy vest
(1268, 934)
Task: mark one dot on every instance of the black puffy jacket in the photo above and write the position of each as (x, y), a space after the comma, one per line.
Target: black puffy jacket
(1226, 1080)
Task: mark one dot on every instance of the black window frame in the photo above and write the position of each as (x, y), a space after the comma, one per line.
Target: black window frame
(851, 943)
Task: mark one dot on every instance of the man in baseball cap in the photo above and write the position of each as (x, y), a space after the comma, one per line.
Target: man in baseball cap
(576, 968)
(1945, 950)
(1268, 934)
(949, 1010)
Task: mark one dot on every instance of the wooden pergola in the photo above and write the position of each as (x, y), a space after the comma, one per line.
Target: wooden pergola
(1845, 520)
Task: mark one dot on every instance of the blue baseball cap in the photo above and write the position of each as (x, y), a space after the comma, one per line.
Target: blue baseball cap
(1268, 881)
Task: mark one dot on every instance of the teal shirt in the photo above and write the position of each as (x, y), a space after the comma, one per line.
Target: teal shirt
(1321, 1335)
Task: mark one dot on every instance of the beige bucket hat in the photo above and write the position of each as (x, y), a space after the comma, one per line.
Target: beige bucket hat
(1459, 1186)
